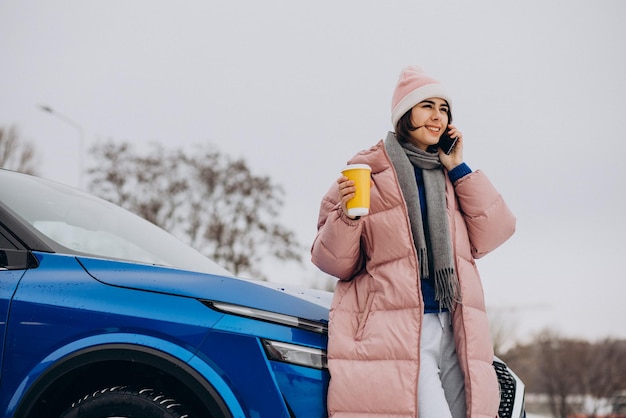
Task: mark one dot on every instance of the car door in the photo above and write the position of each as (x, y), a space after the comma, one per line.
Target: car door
(14, 260)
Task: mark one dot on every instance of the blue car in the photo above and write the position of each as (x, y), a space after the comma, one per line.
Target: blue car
(102, 314)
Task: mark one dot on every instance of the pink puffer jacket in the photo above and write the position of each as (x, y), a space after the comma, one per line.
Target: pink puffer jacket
(376, 312)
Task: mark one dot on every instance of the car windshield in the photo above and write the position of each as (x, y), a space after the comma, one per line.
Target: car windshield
(84, 224)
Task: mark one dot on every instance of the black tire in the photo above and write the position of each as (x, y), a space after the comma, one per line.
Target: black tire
(126, 402)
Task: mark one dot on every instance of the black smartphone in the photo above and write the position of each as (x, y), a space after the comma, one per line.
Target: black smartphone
(446, 143)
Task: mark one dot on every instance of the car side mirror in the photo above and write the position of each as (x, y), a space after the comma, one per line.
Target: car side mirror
(17, 260)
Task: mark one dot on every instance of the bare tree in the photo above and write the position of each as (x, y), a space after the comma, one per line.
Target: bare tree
(605, 371)
(15, 153)
(206, 199)
(557, 372)
(569, 370)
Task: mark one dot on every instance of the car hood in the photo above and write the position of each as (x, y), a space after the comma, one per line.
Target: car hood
(303, 303)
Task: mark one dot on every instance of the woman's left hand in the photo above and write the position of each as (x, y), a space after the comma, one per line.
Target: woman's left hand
(456, 155)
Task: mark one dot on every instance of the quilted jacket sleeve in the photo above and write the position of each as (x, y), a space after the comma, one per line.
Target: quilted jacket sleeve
(489, 220)
(336, 249)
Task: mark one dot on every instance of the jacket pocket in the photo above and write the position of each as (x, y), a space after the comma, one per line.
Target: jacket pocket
(364, 315)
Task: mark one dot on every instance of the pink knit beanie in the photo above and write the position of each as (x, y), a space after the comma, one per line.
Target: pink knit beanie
(414, 86)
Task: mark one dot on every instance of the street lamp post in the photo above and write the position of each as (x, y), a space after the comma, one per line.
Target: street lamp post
(81, 139)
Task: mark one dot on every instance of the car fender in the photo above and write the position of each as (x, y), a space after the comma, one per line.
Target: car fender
(72, 355)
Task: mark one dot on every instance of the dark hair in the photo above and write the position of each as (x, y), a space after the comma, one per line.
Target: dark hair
(405, 126)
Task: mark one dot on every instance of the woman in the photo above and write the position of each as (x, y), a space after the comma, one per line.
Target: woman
(408, 332)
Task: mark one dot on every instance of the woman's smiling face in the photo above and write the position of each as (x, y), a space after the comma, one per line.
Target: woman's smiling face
(431, 118)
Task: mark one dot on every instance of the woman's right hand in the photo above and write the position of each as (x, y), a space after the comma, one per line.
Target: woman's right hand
(346, 192)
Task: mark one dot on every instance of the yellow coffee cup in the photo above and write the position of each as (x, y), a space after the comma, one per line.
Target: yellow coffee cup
(359, 205)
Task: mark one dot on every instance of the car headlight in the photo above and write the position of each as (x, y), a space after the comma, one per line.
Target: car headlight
(295, 354)
(268, 316)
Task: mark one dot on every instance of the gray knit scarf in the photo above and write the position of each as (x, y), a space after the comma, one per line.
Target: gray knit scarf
(404, 156)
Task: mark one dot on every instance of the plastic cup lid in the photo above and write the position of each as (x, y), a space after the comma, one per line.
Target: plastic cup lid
(356, 166)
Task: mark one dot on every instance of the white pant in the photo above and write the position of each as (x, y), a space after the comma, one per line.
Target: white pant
(441, 388)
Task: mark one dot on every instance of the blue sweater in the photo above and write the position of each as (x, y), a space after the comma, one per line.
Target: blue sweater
(428, 288)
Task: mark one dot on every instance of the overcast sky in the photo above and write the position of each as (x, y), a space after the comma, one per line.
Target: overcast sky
(296, 88)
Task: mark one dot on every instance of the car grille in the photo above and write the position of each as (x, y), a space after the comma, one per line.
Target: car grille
(507, 390)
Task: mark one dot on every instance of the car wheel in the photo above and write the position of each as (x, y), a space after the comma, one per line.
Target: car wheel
(125, 402)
